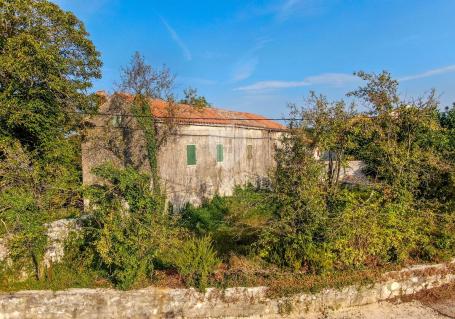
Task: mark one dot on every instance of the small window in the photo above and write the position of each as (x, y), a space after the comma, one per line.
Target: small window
(249, 151)
(219, 153)
(191, 154)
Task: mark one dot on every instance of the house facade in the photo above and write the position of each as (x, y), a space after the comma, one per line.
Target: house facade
(208, 151)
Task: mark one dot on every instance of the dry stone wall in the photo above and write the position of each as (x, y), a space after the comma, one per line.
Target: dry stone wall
(215, 303)
(57, 232)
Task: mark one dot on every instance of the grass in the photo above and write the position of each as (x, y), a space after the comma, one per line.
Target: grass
(58, 277)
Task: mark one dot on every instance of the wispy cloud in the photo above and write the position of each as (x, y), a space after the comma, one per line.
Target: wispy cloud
(270, 85)
(333, 79)
(286, 8)
(282, 10)
(195, 80)
(426, 74)
(174, 35)
(246, 65)
(244, 69)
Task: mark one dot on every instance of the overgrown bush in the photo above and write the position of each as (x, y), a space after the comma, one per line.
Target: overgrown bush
(371, 231)
(195, 259)
(130, 225)
(234, 222)
(295, 236)
(403, 211)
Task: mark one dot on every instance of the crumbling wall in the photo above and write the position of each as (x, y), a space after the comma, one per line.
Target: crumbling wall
(57, 232)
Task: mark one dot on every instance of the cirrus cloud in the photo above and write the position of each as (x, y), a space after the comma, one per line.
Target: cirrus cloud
(332, 79)
(176, 38)
(426, 74)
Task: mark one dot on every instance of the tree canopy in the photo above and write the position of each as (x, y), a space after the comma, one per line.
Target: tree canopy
(47, 64)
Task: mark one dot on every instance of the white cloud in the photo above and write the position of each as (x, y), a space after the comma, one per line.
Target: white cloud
(185, 51)
(270, 85)
(246, 65)
(283, 10)
(286, 9)
(426, 74)
(244, 69)
(333, 79)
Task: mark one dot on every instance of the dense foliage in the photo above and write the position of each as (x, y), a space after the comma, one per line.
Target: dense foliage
(234, 223)
(309, 225)
(403, 211)
(192, 98)
(47, 64)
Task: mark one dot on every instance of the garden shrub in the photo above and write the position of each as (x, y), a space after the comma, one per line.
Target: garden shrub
(295, 235)
(195, 259)
(233, 222)
(130, 225)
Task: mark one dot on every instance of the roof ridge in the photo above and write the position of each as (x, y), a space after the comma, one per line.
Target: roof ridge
(208, 115)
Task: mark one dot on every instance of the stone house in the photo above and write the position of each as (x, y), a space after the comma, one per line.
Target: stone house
(207, 151)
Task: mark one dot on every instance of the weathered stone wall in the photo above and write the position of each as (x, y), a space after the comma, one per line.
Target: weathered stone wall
(214, 303)
(248, 155)
(57, 232)
(193, 183)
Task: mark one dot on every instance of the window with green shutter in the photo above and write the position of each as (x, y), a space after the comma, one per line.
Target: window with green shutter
(219, 153)
(191, 154)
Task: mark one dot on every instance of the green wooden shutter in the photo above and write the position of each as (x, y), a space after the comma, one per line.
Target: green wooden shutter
(191, 154)
(219, 153)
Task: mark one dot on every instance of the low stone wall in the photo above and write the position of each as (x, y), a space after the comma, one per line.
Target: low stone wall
(215, 303)
(57, 232)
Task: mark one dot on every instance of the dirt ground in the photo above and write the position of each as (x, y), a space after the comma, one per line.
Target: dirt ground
(430, 304)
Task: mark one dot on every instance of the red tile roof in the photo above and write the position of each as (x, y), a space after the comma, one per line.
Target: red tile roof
(211, 115)
(207, 116)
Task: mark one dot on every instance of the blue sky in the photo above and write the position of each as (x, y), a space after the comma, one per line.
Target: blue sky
(257, 56)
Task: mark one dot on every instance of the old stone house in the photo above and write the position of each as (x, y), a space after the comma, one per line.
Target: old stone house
(207, 151)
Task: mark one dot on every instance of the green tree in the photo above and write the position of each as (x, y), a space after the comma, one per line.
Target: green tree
(127, 230)
(192, 98)
(146, 85)
(296, 233)
(399, 139)
(327, 128)
(47, 63)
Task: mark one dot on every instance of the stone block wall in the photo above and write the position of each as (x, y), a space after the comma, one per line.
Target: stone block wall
(57, 233)
(215, 303)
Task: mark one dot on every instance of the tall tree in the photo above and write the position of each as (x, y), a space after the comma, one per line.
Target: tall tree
(326, 126)
(47, 64)
(147, 85)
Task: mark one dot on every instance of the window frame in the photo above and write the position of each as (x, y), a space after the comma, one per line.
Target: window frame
(219, 153)
(191, 150)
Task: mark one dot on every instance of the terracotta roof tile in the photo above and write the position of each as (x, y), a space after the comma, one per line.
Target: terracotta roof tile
(212, 115)
(209, 115)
